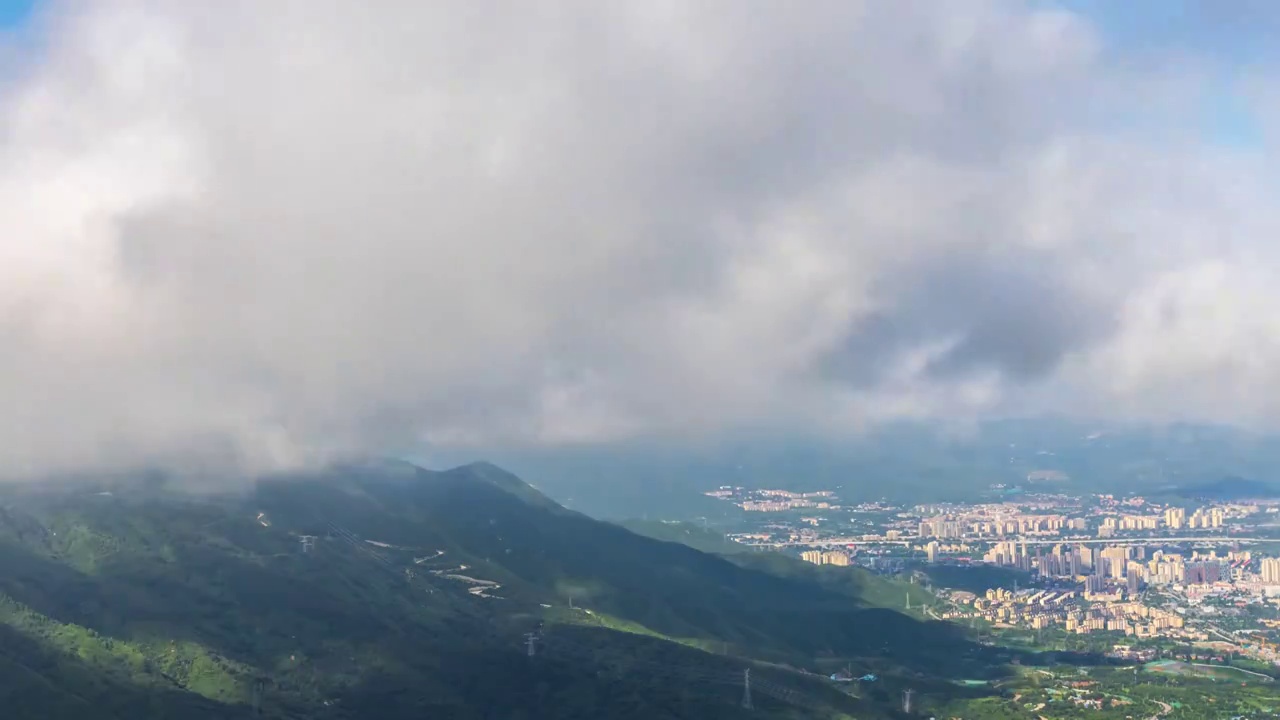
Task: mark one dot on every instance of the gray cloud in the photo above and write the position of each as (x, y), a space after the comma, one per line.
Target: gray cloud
(1004, 312)
(273, 233)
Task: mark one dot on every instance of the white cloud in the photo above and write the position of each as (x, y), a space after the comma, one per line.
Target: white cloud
(275, 232)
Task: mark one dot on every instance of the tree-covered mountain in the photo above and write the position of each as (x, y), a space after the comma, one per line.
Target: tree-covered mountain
(1227, 489)
(384, 590)
(686, 533)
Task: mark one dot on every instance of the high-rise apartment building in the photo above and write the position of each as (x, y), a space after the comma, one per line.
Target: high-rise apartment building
(1271, 571)
(836, 558)
(1201, 573)
(941, 528)
(1118, 560)
(831, 557)
(1215, 517)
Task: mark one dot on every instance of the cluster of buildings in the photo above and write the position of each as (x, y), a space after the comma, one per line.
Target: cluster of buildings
(1204, 584)
(1173, 518)
(1109, 516)
(828, 557)
(978, 522)
(933, 549)
(774, 500)
(989, 521)
(1131, 618)
(1176, 518)
(1157, 578)
(1132, 566)
(1073, 612)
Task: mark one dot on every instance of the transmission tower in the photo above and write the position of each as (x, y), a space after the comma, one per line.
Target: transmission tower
(531, 642)
(746, 689)
(906, 700)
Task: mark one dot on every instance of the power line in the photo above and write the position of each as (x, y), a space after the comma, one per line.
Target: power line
(560, 647)
(682, 672)
(257, 695)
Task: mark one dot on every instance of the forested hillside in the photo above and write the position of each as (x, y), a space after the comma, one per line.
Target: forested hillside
(390, 587)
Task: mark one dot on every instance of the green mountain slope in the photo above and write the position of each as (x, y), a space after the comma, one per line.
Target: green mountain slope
(412, 598)
(864, 587)
(685, 533)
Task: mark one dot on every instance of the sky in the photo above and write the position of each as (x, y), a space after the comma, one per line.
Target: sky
(253, 235)
(14, 13)
(1234, 36)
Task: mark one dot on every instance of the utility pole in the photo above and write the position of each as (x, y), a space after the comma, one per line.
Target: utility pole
(746, 689)
(530, 640)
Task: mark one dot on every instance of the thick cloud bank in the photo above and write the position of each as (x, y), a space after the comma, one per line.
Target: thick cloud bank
(272, 232)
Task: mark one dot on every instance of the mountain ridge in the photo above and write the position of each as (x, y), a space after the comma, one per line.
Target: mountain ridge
(414, 585)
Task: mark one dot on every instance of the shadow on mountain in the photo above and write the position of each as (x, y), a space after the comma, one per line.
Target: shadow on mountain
(477, 684)
(549, 553)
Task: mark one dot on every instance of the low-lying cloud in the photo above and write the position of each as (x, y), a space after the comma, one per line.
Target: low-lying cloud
(273, 233)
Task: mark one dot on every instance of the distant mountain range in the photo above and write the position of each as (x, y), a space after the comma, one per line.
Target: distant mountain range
(384, 590)
(901, 462)
(1228, 489)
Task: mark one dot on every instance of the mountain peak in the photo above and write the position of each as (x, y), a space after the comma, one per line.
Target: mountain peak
(485, 469)
(487, 472)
